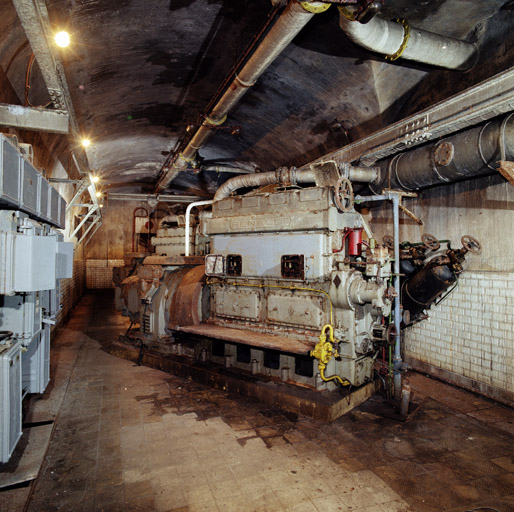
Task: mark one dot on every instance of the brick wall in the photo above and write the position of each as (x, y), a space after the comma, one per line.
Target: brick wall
(99, 273)
(72, 290)
(469, 337)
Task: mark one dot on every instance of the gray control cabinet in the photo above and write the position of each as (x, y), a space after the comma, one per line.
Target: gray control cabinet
(23, 187)
(10, 398)
(36, 363)
(33, 257)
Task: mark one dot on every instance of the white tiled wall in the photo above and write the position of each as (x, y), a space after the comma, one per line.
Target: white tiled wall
(99, 273)
(471, 333)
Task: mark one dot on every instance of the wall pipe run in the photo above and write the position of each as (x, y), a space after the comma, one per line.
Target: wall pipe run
(188, 221)
(295, 16)
(471, 153)
(397, 39)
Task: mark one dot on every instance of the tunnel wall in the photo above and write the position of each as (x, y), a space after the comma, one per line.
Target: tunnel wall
(112, 241)
(469, 338)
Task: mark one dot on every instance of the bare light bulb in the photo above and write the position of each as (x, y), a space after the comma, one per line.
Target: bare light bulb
(95, 179)
(86, 143)
(62, 39)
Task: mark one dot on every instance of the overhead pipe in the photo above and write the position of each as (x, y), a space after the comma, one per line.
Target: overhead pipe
(295, 16)
(398, 39)
(468, 154)
(282, 176)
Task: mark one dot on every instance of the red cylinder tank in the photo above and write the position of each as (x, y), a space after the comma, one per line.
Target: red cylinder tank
(355, 242)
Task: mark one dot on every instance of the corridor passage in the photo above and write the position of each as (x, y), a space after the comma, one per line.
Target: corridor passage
(129, 438)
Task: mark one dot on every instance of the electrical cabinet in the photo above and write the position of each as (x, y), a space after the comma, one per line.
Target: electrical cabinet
(36, 363)
(10, 398)
(33, 258)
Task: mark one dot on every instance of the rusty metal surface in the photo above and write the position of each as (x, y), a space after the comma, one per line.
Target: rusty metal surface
(326, 406)
(507, 170)
(267, 341)
(150, 272)
(443, 153)
(185, 308)
(174, 260)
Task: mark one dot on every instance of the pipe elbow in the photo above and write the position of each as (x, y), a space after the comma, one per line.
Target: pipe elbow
(396, 39)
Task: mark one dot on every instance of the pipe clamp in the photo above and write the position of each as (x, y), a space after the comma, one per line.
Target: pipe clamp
(243, 83)
(213, 122)
(314, 8)
(406, 36)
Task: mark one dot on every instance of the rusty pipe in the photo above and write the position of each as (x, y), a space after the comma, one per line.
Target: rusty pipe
(295, 16)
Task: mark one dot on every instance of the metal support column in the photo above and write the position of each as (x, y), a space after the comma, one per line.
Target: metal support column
(397, 314)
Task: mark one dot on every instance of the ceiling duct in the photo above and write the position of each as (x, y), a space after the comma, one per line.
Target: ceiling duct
(295, 16)
(397, 39)
(467, 154)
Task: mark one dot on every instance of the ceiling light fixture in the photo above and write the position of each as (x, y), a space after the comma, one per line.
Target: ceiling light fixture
(98, 194)
(95, 179)
(62, 39)
(86, 143)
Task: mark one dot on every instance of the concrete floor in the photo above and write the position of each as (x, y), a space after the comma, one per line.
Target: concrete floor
(132, 438)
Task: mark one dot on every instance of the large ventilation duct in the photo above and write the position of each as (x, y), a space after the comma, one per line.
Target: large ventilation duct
(468, 154)
(397, 39)
(282, 176)
(295, 16)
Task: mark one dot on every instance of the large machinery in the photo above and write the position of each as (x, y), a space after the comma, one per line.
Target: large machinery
(285, 284)
(33, 259)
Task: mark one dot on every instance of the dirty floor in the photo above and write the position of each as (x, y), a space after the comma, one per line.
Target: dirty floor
(131, 438)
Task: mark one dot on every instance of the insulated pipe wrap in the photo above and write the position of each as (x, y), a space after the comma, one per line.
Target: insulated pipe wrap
(386, 37)
(282, 176)
(468, 154)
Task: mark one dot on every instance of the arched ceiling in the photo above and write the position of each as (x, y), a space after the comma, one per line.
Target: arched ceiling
(140, 72)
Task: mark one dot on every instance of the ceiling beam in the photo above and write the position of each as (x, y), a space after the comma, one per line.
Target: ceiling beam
(37, 119)
(34, 18)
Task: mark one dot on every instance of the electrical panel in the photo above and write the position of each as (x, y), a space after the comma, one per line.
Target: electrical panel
(10, 397)
(33, 258)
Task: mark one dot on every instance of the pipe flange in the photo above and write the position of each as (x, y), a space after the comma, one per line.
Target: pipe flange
(444, 152)
(315, 7)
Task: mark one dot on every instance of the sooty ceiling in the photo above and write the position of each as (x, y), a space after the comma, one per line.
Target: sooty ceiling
(140, 72)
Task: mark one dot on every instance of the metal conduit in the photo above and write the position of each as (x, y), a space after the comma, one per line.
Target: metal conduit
(397, 39)
(471, 153)
(282, 176)
(295, 16)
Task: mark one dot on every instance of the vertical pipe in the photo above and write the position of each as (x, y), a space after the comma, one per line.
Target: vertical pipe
(397, 320)
(188, 220)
